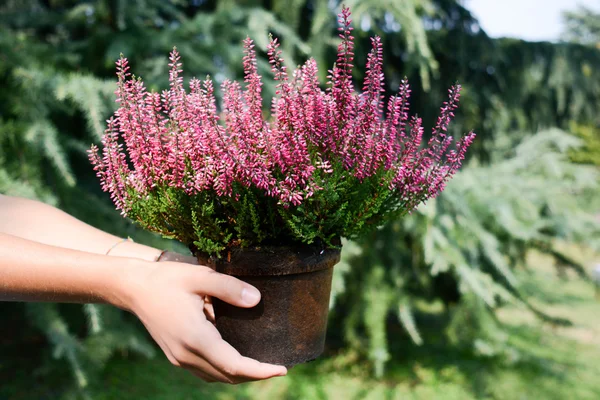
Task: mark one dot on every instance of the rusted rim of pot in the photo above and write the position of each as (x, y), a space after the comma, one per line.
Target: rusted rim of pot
(273, 260)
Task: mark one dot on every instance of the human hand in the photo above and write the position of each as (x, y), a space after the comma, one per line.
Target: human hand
(167, 256)
(168, 298)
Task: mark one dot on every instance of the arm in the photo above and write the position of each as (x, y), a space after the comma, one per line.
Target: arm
(167, 297)
(31, 271)
(42, 223)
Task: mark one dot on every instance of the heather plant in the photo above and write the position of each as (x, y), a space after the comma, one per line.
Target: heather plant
(326, 164)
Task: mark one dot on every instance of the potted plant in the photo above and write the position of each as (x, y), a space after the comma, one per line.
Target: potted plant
(268, 198)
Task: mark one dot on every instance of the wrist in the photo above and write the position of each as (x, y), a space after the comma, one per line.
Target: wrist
(131, 249)
(125, 282)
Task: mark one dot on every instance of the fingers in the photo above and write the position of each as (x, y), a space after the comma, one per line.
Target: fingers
(209, 310)
(238, 370)
(210, 353)
(202, 369)
(226, 288)
(249, 369)
(232, 364)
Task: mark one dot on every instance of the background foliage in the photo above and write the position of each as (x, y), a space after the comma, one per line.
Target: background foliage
(467, 253)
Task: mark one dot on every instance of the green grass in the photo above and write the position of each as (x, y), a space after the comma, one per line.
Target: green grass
(540, 361)
(555, 367)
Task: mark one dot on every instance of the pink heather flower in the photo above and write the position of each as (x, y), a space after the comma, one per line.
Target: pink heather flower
(178, 139)
(341, 87)
(366, 146)
(112, 167)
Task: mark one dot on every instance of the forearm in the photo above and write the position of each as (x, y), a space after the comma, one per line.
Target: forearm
(45, 224)
(31, 271)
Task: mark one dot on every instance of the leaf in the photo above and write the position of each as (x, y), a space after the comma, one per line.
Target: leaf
(407, 320)
(45, 136)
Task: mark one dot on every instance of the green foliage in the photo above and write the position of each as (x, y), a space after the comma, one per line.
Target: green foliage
(589, 152)
(510, 86)
(582, 26)
(108, 332)
(209, 223)
(384, 16)
(464, 247)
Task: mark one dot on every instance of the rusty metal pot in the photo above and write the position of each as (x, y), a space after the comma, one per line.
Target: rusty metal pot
(288, 326)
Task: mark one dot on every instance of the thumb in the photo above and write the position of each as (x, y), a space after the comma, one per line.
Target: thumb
(227, 288)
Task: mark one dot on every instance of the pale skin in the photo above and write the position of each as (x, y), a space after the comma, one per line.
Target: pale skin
(47, 255)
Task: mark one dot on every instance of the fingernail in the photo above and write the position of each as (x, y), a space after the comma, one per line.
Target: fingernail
(250, 295)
